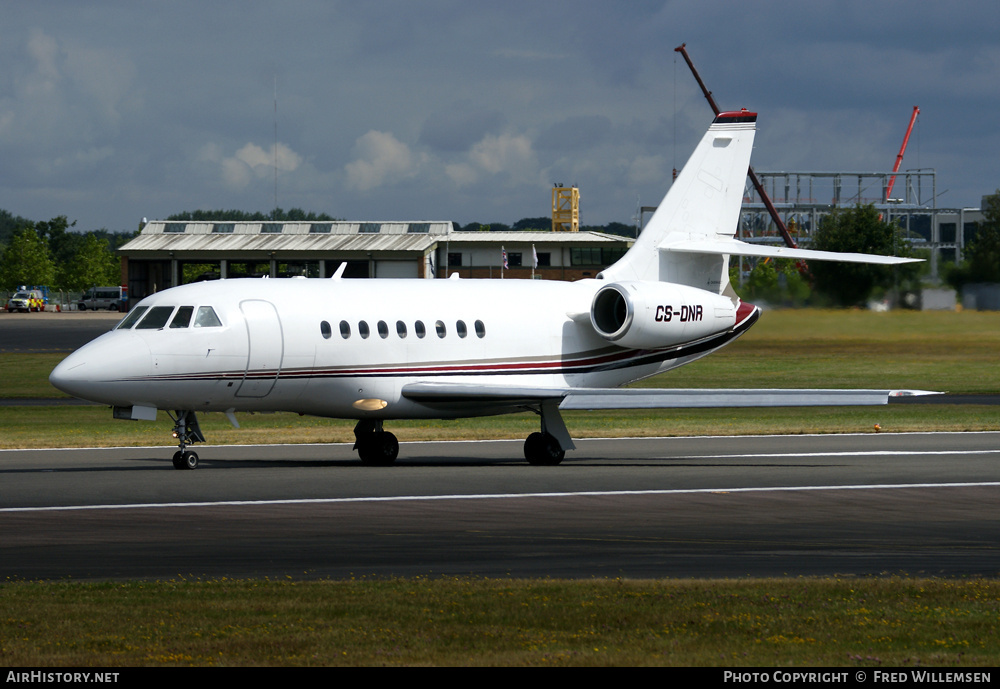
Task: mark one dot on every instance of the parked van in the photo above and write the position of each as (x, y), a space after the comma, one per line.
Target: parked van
(109, 298)
(25, 300)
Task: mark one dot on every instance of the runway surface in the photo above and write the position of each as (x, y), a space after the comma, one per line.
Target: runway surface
(915, 504)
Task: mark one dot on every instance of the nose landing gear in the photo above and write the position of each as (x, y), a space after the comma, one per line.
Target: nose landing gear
(187, 431)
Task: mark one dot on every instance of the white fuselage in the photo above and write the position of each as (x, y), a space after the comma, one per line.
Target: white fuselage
(300, 344)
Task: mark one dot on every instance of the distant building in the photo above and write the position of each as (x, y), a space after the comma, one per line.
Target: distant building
(167, 253)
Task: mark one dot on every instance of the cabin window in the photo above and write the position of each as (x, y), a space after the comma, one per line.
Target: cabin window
(156, 318)
(206, 318)
(461, 329)
(182, 318)
(383, 330)
(325, 330)
(130, 319)
(345, 329)
(441, 330)
(480, 329)
(363, 330)
(401, 329)
(419, 329)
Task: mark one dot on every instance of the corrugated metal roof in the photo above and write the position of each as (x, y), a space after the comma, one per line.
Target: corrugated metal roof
(174, 227)
(262, 238)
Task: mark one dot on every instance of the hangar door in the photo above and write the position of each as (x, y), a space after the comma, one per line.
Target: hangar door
(266, 348)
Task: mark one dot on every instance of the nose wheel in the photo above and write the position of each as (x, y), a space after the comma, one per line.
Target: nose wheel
(185, 460)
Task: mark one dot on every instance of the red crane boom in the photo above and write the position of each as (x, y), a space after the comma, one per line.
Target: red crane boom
(902, 150)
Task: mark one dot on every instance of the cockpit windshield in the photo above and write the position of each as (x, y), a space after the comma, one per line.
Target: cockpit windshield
(156, 318)
(183, 317)
(134, 315)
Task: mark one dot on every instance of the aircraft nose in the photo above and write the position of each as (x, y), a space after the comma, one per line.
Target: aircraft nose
(92, 372)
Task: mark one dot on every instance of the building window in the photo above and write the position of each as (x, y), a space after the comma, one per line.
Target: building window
(419, 228)
(272, 228)
(544, 259)
(320, 228)
(174, 227)
(455, 259)
(514, 259)
(370, 228)
(223, 228)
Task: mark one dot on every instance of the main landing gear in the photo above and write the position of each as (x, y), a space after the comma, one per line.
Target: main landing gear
(548, 447)
(187, 431)
(375, 446)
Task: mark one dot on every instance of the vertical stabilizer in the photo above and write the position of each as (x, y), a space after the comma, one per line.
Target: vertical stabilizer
(702, 205)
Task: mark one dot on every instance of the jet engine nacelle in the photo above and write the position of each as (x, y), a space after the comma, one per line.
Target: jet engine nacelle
(650, 315)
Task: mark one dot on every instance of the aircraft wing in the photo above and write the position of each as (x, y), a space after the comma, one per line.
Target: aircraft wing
(453, 394)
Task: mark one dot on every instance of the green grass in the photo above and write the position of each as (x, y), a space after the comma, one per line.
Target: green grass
(830, 622)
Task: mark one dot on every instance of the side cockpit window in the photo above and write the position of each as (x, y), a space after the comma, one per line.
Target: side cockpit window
(132, 317)
(155, 318)
(206, 318)
(182, 318)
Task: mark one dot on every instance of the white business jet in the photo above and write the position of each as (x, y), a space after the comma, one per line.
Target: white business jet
(376, 350)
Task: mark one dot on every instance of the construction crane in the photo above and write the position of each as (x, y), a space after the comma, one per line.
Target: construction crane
(902, 150)
(753, 176)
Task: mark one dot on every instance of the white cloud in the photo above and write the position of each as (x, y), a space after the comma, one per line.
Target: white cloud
(250, 162)
(504, 153)
(381, 157)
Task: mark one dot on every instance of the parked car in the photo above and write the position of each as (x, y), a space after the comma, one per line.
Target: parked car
(109, 298)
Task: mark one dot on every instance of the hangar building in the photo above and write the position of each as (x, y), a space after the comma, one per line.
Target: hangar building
(169, 253)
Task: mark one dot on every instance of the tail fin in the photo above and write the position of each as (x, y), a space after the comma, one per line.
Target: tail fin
(703, 205)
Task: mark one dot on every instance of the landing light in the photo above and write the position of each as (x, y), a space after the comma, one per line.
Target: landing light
(370, 404)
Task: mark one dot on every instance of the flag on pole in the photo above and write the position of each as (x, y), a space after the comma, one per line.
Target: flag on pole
(504, 257)
(534, 257)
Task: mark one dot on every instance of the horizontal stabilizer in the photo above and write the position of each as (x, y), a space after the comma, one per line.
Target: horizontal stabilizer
(734, 247)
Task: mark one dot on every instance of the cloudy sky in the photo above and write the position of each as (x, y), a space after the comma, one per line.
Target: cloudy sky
(466, 110)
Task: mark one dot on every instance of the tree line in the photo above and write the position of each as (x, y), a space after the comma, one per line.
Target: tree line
(47, 253)
(50, 253)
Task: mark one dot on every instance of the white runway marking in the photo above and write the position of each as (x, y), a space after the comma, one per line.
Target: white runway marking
(488, 496)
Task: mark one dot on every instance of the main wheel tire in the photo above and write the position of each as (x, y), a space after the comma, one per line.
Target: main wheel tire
(379, 449)
(542, 449)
